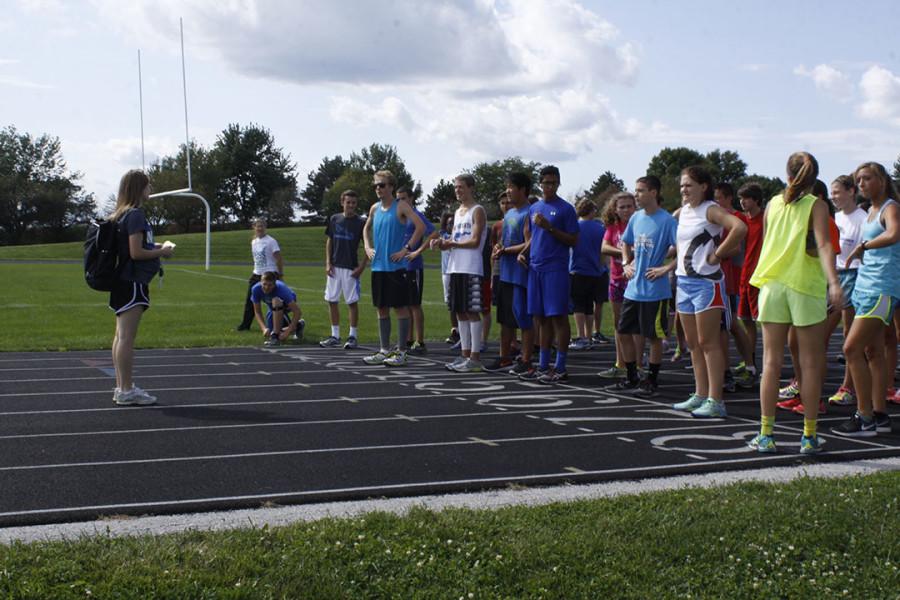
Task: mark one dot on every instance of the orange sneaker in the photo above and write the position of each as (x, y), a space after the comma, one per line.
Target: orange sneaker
(799, 408)
(790, 403)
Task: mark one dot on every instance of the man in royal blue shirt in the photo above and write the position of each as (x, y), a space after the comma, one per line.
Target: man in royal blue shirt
(550, 233)
(415, 271)
(648, 239)
(275, 294)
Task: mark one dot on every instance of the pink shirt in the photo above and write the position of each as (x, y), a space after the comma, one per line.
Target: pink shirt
(613, 237)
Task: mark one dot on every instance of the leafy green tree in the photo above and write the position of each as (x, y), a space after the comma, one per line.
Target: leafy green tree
(896, 174)
(40, 199)
(441, 199)
(170, 173)
(605, 185)
(352, 179)
(253, 171)
(318, 183)
(490, 180)
(378, 157)
(726, 166)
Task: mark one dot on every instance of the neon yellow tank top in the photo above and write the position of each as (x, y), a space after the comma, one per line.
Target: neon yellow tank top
(783, 257)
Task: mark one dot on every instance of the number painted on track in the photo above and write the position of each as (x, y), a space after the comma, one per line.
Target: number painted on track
(471, 386)
(742, 436)
(534, 400)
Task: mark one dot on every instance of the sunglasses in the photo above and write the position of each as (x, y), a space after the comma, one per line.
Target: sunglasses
(380, 185)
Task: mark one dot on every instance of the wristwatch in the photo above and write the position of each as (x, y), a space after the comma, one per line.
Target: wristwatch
(863, 245)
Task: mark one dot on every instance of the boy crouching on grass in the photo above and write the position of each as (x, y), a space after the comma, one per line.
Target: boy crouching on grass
(280, 299)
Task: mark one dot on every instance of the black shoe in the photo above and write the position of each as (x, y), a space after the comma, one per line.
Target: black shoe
(624, 386)
(498, 365)
(298, 333)
(520, 367)
(647, 389)
(729, 386)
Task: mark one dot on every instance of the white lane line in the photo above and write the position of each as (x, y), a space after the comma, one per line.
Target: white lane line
(625, 439)
(138, 366)
(164, 375)
(586, 430)
(479, 440)
(775, 471)
(72, 357)
(407, 418)
(697, 456)
(349, 399)
(575, 470)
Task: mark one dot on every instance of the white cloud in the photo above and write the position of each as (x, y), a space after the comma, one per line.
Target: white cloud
(828, 79)
(23, 84)
(492, 77)
(880, 90)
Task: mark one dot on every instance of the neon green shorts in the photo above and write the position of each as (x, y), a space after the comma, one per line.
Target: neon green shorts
(780, 304)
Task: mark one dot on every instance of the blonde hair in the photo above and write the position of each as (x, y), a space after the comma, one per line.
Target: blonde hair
(802, 172)
(131, 192)
(388, 177)
(890, 191)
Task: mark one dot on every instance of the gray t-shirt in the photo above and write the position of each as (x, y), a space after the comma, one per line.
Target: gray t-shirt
(141, 271)
(345, 234)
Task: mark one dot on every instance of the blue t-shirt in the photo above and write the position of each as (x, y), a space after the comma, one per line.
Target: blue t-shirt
(281, 290)
(650, 236)
(547, 253)
(513, 234)
(586, 254)
(418, 263)
(387, 237)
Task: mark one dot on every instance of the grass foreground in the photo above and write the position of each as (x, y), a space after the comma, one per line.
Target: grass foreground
(809, 538)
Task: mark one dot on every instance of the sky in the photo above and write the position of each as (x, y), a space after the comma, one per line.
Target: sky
(587, 85)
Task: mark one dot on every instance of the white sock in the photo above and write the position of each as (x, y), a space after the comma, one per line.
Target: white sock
(465, 336)
(336, 331)
(353, 332)
(476, 327)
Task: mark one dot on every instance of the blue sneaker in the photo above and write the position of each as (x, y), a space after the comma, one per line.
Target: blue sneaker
(710, 409)
(763, 443)
(689, 405)
(811, 444)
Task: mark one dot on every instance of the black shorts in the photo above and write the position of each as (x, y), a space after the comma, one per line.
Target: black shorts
(649, 319)
(586, 290)
(415, 280)
(390, 289)
(495, 286)
(125, 295)
(503, 296)
(466, 293)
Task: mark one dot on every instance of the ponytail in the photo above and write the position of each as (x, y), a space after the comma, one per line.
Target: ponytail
(802, 172)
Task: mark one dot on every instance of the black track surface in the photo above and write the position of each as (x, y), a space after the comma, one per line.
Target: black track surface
(240, 427)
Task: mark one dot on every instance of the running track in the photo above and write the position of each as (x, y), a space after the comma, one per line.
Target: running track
(244, 427)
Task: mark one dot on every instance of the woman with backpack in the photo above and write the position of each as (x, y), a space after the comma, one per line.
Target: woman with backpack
(130, 296)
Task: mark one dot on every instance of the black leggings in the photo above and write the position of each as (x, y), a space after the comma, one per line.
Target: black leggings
(248, 305)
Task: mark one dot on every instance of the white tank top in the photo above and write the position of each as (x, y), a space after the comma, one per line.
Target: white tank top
(697, 239)
(466, 260)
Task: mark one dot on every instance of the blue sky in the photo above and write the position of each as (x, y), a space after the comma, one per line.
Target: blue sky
(588, 85)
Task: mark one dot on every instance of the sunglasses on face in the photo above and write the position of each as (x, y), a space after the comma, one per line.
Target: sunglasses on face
(380, 185)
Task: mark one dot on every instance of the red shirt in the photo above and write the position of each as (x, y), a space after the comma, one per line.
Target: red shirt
(753, 243)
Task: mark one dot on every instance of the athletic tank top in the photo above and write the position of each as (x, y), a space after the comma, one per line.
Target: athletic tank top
(696, 241)
(389, 233)
(783, 256)
(880, 269)
(466, 260)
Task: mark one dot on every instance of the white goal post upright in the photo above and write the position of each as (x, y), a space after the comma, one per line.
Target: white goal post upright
(187, 192)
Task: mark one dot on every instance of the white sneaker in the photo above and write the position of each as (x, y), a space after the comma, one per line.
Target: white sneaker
(133, 397)
(451, 366)
(395, 359)
(469, 366)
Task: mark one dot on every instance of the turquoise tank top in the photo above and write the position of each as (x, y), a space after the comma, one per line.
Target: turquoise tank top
(879, 272)
(389, 233)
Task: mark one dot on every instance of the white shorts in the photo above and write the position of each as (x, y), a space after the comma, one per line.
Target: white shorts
(342, 283)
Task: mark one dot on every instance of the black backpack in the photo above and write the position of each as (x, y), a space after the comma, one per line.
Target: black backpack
(101, 255)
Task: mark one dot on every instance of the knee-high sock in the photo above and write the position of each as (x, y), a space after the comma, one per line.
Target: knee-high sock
(476, 327)
(384, 333)
(465, 336)
(402, 332)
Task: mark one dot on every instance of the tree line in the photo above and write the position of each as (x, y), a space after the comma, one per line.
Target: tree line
(245, 174)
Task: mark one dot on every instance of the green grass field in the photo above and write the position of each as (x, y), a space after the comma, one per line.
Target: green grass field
(49, 307)
(806, 539)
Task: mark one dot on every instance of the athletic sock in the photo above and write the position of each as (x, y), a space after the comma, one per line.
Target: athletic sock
(354, 332)
(476, 327)
(809, 427)
(631, 371)
(560, 366)
(766, 425)
(336, 331)
(465, 336)
(402, 332)
(384, 333)
(544, 359)
(654, 373)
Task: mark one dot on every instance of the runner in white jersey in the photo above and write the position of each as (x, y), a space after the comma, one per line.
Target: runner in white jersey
(466, 269)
